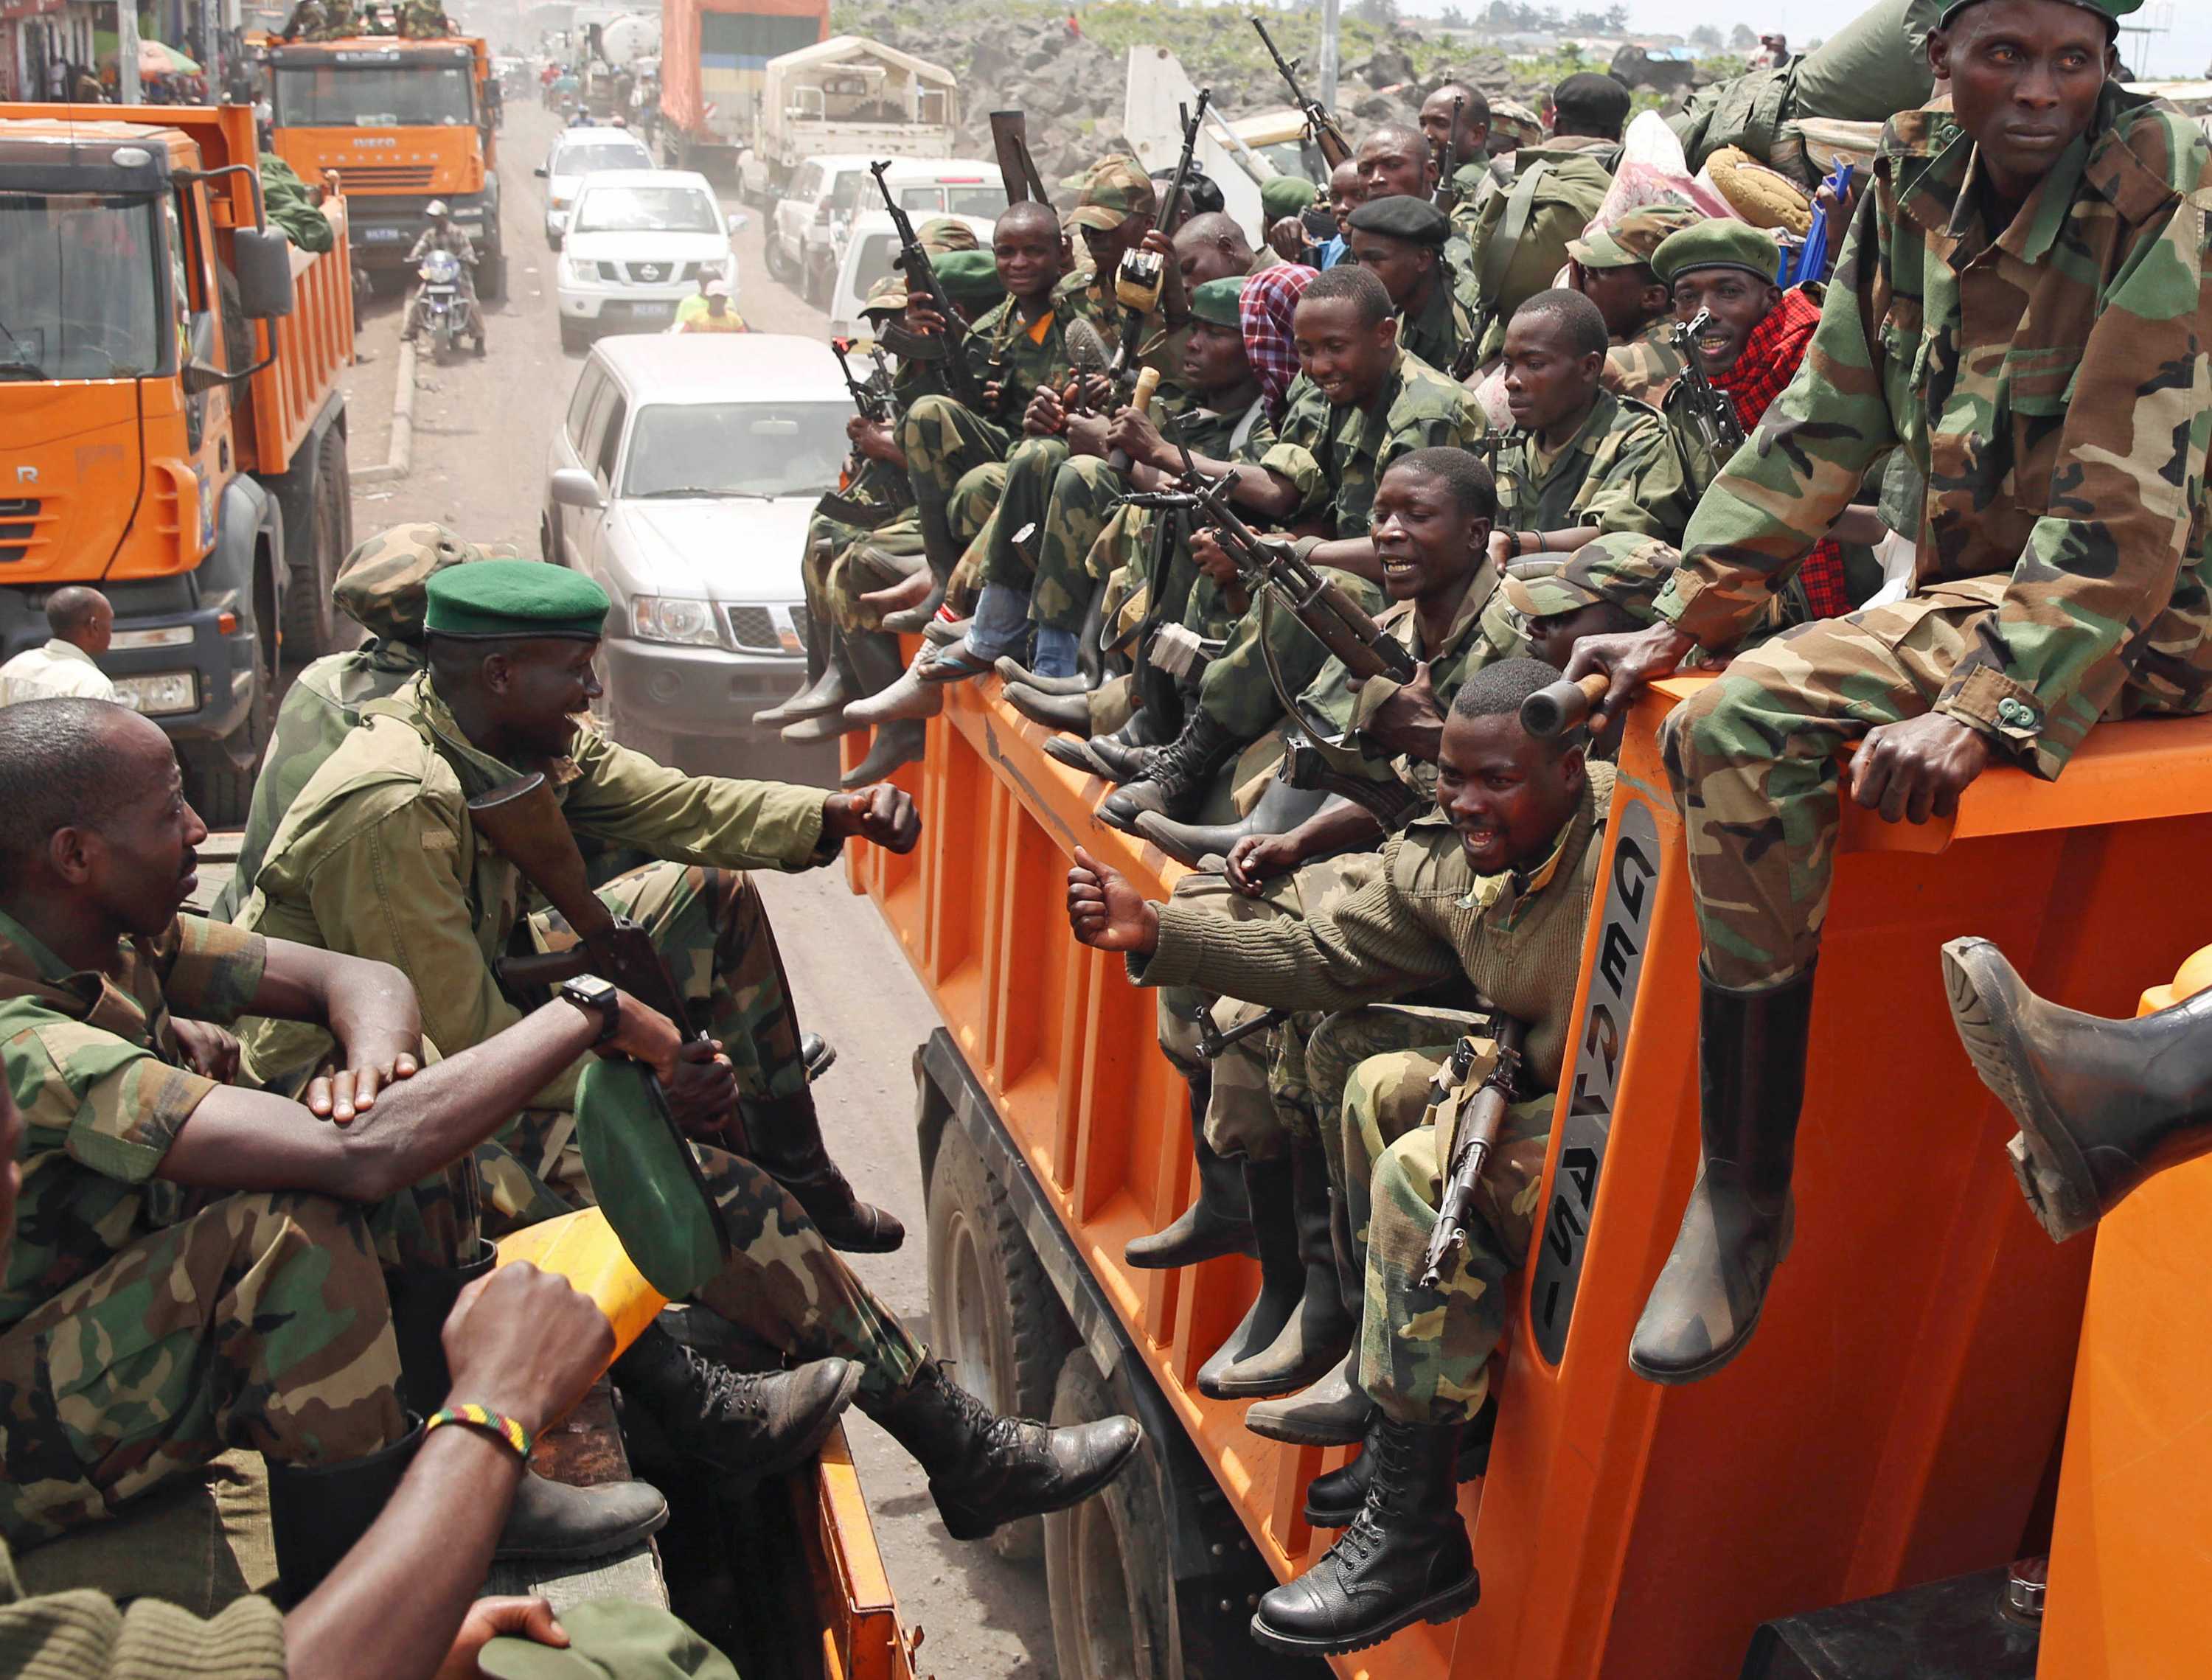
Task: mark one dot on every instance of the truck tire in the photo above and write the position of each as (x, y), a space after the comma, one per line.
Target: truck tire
(312, 626)
(1106, 1560)
(219, 775)
(992, 1315)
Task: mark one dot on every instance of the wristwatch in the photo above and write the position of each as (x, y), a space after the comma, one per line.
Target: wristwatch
(595, 995)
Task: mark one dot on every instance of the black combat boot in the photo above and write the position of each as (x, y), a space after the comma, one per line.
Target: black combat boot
(783, 1136)
(1117, 757)
(985, 1469)
(1334, 1500)
(1737, 1228)
(1218, 1222)
(1404, 1558)
(1270, 1193)
(1176, 778)
(1318, 1331)
(1279, 808)
(737, 1424)
(1332, 1410)
(2102, 1105)
(1069, 713)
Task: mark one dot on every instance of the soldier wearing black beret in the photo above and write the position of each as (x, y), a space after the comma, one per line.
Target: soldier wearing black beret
(1402, 239)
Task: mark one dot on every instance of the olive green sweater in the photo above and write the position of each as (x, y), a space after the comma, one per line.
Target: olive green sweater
(1519, 940)
(87, 1636)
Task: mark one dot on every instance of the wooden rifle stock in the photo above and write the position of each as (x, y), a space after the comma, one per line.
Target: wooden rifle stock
(1557, 707)
(1475, 1140)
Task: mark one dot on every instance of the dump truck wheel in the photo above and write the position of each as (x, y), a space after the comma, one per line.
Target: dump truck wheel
(1106, 1560)
(310, 617)
(992, 1312)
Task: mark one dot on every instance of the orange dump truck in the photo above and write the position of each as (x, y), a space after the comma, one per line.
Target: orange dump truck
(399, 123)
(1841, 1503)
(171, 428)
(714, 60)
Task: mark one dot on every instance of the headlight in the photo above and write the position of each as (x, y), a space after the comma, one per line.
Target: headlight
(162, 694)
(583, 270)
(673, 619)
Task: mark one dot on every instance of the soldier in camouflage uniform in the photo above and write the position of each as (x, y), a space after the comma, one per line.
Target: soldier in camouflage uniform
(1612, 267)
(1495, 891)
(2038, 349)
(1402, 241)
(422, 20)
(381, 587)
(1468, 155)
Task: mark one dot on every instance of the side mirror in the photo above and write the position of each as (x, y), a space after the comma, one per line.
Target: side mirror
(263, 258)
(571, 487)
(539, 171)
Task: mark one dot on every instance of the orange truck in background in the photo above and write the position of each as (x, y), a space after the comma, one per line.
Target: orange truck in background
(713, 59)
(399, 123)
(171, 428)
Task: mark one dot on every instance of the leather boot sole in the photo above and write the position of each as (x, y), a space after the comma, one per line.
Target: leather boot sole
(1323, 1424)
(1447, 1604)
(2061, 1190)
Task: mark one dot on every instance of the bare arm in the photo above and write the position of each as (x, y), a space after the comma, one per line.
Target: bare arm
(1355, 555)
(369, 1008)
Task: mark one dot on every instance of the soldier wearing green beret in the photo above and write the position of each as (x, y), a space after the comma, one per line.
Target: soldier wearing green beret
(2062, 574)
(378, 856)
(1402, 241)
(1283, 201)
(1612, 267)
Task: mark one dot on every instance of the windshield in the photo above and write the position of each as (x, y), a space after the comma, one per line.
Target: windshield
(583, 159)
(643, 209)
(739, 449)
(424, 95)
(80, 286)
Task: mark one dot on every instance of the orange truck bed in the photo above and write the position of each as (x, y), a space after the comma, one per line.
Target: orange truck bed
(1903, 1404)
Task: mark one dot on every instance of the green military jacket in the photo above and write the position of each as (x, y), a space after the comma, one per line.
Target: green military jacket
(88, 1635)
(1425, 917)
(1520, 239)
(1001, 345)
(1620, 472)
(94, 1062)
(377, 859)
(1336, 456)
(2049, 380)
(1442, 332)
(1646, 366)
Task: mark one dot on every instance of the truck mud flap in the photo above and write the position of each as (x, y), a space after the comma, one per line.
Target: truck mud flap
(1217, 1572)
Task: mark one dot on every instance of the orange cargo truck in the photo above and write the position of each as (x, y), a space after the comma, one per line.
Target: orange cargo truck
(171, 428)
(399, 123)
(714, 57)
(1892, 1434)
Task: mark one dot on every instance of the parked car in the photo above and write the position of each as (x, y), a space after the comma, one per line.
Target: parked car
(579, 152)
(639, 242)
(923, 188)
(821, 189)
(681, 481)
(869, 245)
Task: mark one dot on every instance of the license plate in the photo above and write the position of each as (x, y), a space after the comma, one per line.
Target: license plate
(652, 312)
(384, 235)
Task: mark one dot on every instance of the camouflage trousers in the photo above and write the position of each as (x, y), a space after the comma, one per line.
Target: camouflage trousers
(258, 1321)
(876, 559)
(1257, 1102)
(1054, 509)
(1237, 691)
(943, 441)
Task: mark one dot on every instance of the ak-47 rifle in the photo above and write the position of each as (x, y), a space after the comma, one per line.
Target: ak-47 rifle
(1320, 127)
(951, 347)
(1712, 413)
(1474, 1139)
(1444, 197)
(1138, 281)
(873, 397)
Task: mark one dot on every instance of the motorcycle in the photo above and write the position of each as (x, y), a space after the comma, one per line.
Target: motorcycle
(445, 310)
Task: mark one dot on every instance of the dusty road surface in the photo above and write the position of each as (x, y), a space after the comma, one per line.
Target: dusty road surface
(481, 434)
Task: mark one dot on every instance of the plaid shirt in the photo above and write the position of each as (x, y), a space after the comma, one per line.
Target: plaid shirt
(1270, 297)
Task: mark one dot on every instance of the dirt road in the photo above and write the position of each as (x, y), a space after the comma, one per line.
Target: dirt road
(481, 432)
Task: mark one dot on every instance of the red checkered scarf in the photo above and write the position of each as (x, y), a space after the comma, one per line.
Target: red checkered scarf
(1270, 297)
(1769, 361)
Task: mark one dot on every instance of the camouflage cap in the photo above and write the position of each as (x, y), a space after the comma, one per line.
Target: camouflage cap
(1115, 189)
(1626, 568)
(1634, 237)
(1721, 242)
(1512, 122)
(1286, 195)
(887, 296)
(1216, 302)
(941, 233)
(383, 585)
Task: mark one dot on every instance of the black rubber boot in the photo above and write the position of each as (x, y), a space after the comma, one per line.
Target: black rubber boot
(318, 1512)
(1279, 808)
(1334, 1500)
(985, 1469)
(2102, 1105)
(1404, 1558)
(821, 672)
(738, 1424)
(829, 724)
(901, 742)
(1218, 1222)
(1332, 1410)
(1270, 1191)
(783, 1136)
(1737, 1228)
(1176, 778)
(1069, 713)
(1318, 1331)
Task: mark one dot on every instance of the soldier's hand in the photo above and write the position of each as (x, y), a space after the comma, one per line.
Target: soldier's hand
(875, 441)
(488, 1618)
(1916, 769)
(1045, 416)
(209, 1051)
(1629, 660)
(883, 814)
(1256, 859)
(643, 1033)
(1107, 913)
(1287, 238)
(1086, 435)
(1135, 434)
(921, 316)
(523, 1342)
(1090, 391)
(1409, 721)
(1210, 558)
(703, 1096)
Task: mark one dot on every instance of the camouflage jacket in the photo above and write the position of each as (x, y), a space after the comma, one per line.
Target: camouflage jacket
(1335, 457)
(377, 859)
(1159, 345)
(1441, 331)
(1620, 472)
(94, 1065)
(1646, 366)
(1000, 345)
(2049, 381)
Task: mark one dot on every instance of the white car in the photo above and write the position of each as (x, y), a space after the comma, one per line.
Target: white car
(579, 152)
(822, 189)
(869, 247)
(639, 242)
(681, 483)
(924, 188)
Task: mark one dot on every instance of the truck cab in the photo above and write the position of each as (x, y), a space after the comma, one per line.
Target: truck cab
(400, 123)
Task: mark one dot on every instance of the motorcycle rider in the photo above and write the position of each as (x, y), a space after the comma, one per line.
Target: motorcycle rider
(445, 234)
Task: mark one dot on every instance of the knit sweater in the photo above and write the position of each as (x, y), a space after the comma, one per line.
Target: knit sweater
(1519, 940)
(87, 1636)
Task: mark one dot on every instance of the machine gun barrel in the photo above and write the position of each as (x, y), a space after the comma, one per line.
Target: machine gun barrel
(914, 261)
(1327, 135)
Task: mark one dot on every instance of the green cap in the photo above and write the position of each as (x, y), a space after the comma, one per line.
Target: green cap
(1286, 195)
(1633, 238)
(972, 277)
(2111, 10)
(383, 584)
(1216, 301)
(887, 296)
(646, 1179)
(1400, 217)
(500, 598)
(1721, 242)
(609, 1639)
(941, 233)
(1626, 568)
(1112, 190)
